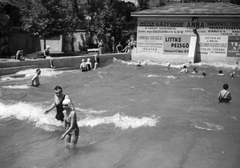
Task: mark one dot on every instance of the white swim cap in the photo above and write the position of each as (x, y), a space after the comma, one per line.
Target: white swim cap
(66, 102)
(48, 46)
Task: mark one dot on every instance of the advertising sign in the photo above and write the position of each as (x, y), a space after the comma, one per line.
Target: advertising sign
(213, 45)
(150, 43)
(176, 44)
(233, 46)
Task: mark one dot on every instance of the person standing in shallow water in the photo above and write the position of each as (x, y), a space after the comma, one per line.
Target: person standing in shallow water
(224, 95)
(35, 79)
(71, 133)
(58, 99)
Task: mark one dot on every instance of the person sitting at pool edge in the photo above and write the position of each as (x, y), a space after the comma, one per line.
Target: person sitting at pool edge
(58, 99)
(19, 54)
(35, 79)
(83, 66)
(224, 95)
(71, 133)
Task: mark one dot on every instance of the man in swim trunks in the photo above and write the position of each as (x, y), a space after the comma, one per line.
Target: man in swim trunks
(58, 99)
(224, 95)
(35, 79)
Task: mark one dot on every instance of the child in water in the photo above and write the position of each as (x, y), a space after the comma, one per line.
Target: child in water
(71, 133)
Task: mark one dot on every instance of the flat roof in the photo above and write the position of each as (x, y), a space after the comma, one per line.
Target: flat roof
(192, 9)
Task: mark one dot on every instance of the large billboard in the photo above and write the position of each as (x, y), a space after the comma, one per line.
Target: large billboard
(233, 46)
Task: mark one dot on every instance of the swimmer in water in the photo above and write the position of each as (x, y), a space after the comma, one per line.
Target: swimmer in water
(204, 74)
(220, 73)
(224, 95)
(83, 66)
(35, 79)
(71, 133)
(195, 70)
(139, 63)
(184, 70)
(233, 74)
(89, 64)
(58, 99)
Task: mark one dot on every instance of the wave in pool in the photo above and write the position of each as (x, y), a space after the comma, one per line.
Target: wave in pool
(120, 120)
(28, 73)
(180, 65)
(35, 114)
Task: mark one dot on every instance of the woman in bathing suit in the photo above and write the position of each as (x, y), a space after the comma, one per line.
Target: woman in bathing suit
(71, 133)
(58, 99)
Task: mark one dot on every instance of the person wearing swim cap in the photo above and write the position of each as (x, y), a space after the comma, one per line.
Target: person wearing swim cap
(58, 99)
(71, 133)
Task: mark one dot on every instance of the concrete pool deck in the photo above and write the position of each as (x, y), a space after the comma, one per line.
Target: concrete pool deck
(10, 66)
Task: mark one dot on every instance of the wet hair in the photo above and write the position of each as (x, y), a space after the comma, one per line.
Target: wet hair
(195, 69)
(20, 48)
(204, 74)
(225, 86)
(38, 70)
(184, 66)
(58, 88)
(220, 71)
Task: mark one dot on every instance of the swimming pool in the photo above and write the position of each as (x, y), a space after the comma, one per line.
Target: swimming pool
(129, 117)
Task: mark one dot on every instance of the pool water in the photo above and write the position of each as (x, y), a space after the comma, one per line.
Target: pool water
(129, 117)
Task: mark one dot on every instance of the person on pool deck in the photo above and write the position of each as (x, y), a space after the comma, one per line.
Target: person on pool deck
(96, 60)
(58, 99)
(35, 79)
(224, 95)
(71, 133)
(46, 55)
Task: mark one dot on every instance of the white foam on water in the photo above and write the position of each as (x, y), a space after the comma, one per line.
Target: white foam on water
(17, 87)
(197, 89)
(208, 126)
(120, 120)
(35, 114)
(91, 111)
(30, 112)
(29, 73)
(180, 65)
(152, 76)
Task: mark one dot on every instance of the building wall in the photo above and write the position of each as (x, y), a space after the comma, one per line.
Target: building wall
(168, 39)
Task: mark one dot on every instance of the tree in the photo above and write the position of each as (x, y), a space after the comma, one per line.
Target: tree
(48, 18)
(9, 19)
(143, 4)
